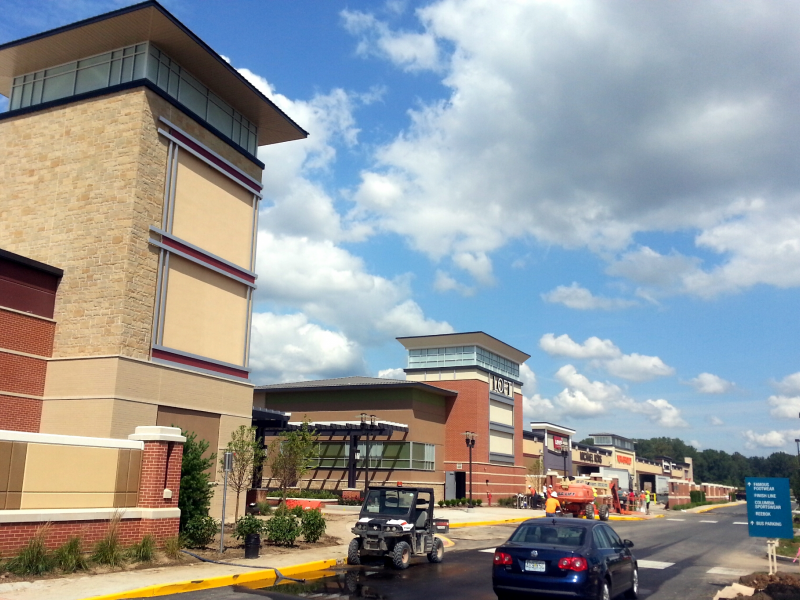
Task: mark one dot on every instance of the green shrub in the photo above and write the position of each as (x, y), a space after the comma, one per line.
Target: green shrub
(172, 547)
(297, 511)
(33, 559)
(144, 551)
(194, 498)
(478, 501)
(247, 525)
(108, 551)
(440, 503)
(306, 494)
(200, 531)
(312, 525)
(69, 556)
(264, 507)
(464, 501)
(283, 528)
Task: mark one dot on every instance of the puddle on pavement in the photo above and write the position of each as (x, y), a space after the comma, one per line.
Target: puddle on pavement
(354, 582)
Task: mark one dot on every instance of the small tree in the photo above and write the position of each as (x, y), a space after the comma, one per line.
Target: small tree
(536, 472)
(248, 454)
(194, 498)
(291, 455)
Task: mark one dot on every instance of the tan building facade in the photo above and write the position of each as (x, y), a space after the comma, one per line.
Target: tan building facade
(129, 164)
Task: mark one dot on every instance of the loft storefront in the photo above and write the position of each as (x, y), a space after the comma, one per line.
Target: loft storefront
(455, 384)
(484, 372)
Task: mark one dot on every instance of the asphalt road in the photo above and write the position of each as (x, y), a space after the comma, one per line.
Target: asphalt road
(686, 556)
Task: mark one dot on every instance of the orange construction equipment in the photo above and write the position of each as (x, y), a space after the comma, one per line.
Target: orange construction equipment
(578, 500)
(615, 500)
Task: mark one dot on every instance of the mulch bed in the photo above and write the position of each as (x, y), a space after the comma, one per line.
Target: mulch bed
(781, 586)
(235, 550)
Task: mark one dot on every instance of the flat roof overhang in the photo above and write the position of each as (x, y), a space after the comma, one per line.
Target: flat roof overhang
(478, 338)
(148, 21)
(292, 388)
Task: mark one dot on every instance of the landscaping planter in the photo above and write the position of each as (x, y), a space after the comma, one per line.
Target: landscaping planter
(304, 502)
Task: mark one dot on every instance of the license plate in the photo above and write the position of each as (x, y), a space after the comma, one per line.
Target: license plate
(535, 566)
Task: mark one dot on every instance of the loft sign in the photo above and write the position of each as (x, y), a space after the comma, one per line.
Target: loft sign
(501, 386)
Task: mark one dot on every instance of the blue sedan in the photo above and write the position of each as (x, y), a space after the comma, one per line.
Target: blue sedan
(565, 558)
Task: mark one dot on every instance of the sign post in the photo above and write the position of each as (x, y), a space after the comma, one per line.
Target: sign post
(227, 467)
(769, 510)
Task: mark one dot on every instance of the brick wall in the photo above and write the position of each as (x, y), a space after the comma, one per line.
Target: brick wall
(25, 333)
(14, 536)
(22, 374)
(20, 414)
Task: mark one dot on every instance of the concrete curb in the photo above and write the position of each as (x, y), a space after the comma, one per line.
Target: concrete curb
(261, 576)
(705, 509)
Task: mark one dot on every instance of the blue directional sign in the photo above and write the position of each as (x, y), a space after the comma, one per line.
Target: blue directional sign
(769, 508)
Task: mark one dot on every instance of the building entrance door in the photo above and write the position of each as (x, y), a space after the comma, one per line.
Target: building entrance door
(449, 485)
(461, 484)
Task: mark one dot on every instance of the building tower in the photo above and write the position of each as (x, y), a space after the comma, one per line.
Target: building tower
(131, 187)
(485, 373)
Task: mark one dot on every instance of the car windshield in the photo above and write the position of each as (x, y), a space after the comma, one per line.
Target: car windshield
(557, 535)
(388, 502)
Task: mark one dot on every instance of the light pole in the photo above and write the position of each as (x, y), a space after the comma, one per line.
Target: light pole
(470, 439)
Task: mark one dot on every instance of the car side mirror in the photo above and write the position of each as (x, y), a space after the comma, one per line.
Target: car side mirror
(627, 543)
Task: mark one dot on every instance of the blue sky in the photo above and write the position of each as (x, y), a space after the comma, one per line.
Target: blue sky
(611, 187)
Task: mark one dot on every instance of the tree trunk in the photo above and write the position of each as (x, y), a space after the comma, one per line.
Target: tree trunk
(236, 510)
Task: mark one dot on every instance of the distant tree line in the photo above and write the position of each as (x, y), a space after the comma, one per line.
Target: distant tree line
(717, 466)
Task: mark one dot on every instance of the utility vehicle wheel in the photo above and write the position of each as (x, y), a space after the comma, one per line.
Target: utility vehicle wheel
(603, 512)
(603, 593)
(589, 511)
(401, 555)
(352, 552)
(437, 553)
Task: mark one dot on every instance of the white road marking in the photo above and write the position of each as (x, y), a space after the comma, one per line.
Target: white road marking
(676, 519)
(727, 571)
(740, 522)
(653, 564)
(709, 521)
(488, 550)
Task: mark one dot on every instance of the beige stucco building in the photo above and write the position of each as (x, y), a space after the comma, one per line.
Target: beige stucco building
(130, 165)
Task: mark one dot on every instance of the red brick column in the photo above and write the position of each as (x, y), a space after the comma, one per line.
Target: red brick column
(160, 479)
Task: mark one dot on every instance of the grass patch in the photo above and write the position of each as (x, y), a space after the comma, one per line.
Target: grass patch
(172, 547)
(695, 504)
(109, 551)
(144, 551)
(788, 547)
(69, 557)
(33, 559)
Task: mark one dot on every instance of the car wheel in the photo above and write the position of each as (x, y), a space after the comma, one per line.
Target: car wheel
(603, 593)
(633, 592)
(401, 555)
(590, 511)
(437, 553)
(503, 596)
(353, 557)
(603, 512)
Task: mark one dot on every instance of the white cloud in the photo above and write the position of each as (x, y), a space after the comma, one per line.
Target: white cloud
(716, 421)
(583, 398)
(789, 385)
(563, 345)
(564, 124)
(579, 298)
(697, 445)
(784, 407)
(528, 378)
(636, 367)
(290, 348)
(409, 50)
(445, 283)
(537, 408)
(771, 439)
(392, 374)
(708, 383)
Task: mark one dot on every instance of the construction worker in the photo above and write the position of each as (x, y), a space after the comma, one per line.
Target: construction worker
(647, 501)
(552, 505)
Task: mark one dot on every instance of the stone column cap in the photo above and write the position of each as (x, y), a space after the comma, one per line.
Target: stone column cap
(154, 433)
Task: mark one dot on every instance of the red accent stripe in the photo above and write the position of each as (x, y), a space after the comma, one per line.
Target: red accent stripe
(202, 364)
(222, 165)
(201, 256)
